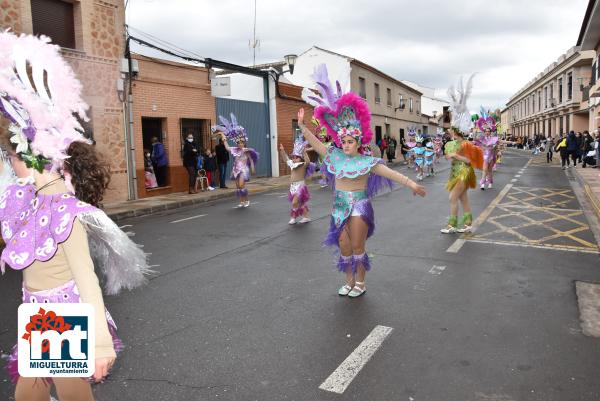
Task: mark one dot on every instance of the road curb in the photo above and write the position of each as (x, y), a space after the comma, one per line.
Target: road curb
(593, 199)
(171, 205)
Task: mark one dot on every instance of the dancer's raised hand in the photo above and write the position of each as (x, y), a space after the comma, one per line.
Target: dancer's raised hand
(301, 116)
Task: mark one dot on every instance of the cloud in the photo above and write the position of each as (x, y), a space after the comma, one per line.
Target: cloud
(430, 42)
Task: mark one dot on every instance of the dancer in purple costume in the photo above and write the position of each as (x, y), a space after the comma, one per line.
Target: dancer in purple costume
(357, 177)
(50, 186)
(302, 168)
(244, 159)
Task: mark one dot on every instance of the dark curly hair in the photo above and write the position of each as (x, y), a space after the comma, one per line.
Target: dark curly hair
(90, 173)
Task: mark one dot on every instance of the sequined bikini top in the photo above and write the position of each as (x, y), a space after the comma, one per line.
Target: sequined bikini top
(343, 166)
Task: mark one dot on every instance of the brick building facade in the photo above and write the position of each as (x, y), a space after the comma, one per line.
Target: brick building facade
(91, 35)
(170, 100)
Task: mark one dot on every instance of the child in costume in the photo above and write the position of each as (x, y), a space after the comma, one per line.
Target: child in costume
(429, 158)
(419, 157)
(50, 191)
(244, 159)
(302, 168)
(410, 145)
(488, 141)
(356, 176)
(464, 156)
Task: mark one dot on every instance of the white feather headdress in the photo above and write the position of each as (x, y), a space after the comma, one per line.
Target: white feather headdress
(461, 118)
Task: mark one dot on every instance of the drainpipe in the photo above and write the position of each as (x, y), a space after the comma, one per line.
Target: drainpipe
(129, 136)
(271, 99)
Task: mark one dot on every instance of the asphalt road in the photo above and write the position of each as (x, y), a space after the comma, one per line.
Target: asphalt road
(245, 307)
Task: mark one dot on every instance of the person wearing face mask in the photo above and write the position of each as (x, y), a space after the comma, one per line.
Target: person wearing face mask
(357, 176)
(149, 177)
(190, 160)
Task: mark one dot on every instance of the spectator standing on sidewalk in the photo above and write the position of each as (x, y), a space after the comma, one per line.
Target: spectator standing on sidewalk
(222, 159)
(391, 150)
(149, 177)
(159, 161)
(210, 165)
(561, 146)
(572, 147)
(549, 148)
(586, 146)
(190, 159)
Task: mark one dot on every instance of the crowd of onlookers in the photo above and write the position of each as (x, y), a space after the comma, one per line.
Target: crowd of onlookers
(206, 168)
(574, 147)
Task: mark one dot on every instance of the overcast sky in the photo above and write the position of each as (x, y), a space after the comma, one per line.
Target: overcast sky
(507, 42)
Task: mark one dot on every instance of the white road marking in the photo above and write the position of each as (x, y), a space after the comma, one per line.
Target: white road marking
(514, 180)
(458, 244)
(517, 176)
(282, 196)
(437, 270)
(188, 218)
(341, 378)
(125, 226)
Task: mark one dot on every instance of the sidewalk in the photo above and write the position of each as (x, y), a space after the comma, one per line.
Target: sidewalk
(146, 206)
(590, 179)
(141, 207)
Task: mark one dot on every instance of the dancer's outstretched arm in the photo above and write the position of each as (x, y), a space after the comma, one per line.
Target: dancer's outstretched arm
(386, 172)
(310, 137)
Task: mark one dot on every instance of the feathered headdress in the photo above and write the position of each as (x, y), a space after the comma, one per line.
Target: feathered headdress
(41, 96)
(232, 130)
(412, 131)
(419, 138)
(461, 119)
(299, 146)
(341, 113)
(485, 121)
(440, 132)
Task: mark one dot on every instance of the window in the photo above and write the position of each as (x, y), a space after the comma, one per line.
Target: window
(363, 87)
(560, 85)
(410, 104)
(377, 97)
(569, 86)
(54, 18)
(401, 105)
(552, 95)
(533, 103)
(295, 129)
(539, 100)
(389, 97)
(387, 130)
(545, 97)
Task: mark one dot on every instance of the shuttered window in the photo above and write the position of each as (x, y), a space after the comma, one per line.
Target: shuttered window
(54, 18)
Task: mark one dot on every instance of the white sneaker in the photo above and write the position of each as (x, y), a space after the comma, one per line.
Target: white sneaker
(247, 203)
(211, 188)
(489, 185)
(448, 230)
(304, 220)
(240, 205)
(465, 229)
(483, 187)
(292, 221)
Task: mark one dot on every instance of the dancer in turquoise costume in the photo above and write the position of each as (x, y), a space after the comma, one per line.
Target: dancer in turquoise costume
(356, 176)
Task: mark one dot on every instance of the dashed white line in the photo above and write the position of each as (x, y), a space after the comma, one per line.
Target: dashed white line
(125, 226)
(517, 176)
(188, 218)
(514, 180)
(341, 378)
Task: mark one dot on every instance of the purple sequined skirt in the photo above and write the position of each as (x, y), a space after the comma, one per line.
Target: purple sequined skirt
(345, 205)
(66, 293)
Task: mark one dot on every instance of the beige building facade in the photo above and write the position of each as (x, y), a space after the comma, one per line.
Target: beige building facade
(556, 101)
(91, 36)
(394, 105)
(589, 40)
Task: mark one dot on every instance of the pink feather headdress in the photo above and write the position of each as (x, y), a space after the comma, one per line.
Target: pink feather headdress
(341, 114)
(40, 95)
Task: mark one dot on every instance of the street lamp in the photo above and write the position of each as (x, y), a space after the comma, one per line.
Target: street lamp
(290, 60)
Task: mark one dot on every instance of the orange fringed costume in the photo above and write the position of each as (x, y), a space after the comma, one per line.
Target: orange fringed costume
(460, 170)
